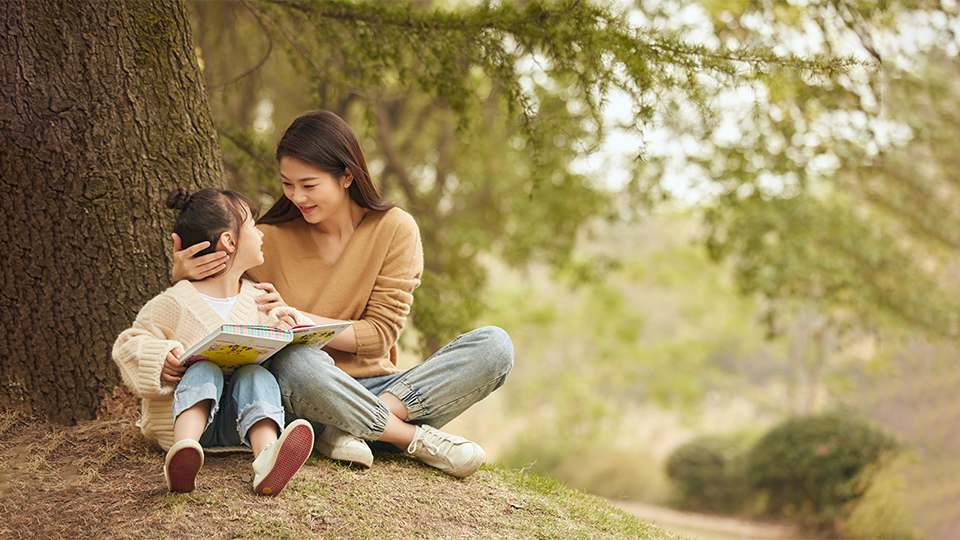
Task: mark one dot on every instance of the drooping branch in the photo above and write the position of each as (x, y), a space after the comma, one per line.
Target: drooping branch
(384, 131)
(259, 64)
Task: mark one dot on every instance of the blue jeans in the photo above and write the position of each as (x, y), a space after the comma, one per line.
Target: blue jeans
(251, 396)
(435, 392)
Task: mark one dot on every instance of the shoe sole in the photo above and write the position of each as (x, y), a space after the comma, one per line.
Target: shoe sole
(358, 457)
(295, 447)
(182, 469)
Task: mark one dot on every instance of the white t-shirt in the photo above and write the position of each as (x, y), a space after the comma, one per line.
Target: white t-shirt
(221, 305)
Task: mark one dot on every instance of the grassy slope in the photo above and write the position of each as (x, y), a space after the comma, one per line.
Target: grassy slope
(102, 479)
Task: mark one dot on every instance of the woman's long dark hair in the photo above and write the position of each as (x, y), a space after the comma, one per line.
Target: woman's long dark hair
(323, 140)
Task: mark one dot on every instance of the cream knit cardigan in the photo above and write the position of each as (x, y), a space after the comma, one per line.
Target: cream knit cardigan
(176, 319)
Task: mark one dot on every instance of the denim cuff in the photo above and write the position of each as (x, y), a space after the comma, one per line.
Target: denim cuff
(253, 413)
(187, 397)
(410, 398)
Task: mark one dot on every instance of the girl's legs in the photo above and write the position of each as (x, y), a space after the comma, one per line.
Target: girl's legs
(191, 422)
(253, 415)
(195, 400)
(194, 407)
(261, 435)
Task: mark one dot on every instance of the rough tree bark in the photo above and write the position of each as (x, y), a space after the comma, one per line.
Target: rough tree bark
(103, 111)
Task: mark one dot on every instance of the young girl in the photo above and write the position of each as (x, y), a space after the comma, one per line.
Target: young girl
(205, 415)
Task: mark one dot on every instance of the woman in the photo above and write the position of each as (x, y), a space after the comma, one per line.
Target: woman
(338, 252)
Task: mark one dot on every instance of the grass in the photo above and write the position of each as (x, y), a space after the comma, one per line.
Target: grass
(102, 479)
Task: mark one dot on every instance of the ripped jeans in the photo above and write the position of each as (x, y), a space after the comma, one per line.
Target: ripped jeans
(251, 396)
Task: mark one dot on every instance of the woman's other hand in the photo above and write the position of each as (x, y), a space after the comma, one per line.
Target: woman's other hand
(270, 299)
(185, 266)
(173, 368)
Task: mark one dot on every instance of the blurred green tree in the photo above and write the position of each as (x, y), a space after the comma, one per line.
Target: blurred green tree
(833, 195)
(821, 195)
(473, 114)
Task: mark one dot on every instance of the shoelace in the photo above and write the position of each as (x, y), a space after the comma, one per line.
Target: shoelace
(431, 443)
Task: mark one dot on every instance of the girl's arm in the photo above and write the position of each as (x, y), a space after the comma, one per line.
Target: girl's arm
(148, 361)
(186, 266)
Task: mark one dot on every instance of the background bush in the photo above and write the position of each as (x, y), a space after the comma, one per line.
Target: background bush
(808, 467)
(882, 511)
(710, 474)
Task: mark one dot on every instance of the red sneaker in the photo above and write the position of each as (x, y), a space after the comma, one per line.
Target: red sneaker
(183, 462)
(277, 464)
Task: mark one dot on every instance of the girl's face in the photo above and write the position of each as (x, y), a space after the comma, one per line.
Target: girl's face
(317, 194)
(248, 252)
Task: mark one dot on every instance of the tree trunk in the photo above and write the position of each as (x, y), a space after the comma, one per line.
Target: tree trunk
(103, 112)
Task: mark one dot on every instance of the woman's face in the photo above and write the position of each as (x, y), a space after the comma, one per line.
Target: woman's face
(316, 193)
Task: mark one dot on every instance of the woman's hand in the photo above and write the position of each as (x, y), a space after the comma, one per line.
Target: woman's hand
(270, 299)
(173, 368)
(185, 266)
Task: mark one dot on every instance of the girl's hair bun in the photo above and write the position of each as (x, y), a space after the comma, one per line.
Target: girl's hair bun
(178, 198)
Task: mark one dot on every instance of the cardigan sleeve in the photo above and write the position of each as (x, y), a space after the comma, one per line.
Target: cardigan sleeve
(277, 312)
(141, 350)
(392, 295)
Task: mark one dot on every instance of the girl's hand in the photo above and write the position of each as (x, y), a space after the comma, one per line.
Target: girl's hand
(271, 299)
(185, 266)
(286, 322)
(173, 368)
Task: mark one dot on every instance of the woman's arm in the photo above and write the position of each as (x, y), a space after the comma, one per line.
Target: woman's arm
(399, 266)
(186, 266)
(345, 341)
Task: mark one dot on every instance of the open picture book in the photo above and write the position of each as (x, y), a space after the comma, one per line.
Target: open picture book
(234, 345)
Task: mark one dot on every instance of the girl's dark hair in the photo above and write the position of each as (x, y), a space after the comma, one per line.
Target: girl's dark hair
(207, 214)
(323, 140)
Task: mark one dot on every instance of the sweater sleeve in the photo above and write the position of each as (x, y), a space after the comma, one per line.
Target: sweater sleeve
(392, 296)
(141, 350)
(298, 317)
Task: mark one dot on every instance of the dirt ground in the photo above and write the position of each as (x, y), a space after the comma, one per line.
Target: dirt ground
(709, 527)
(103, 479)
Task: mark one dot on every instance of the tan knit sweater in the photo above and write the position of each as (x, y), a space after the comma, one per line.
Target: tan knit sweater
(176, 319)
(371, 283)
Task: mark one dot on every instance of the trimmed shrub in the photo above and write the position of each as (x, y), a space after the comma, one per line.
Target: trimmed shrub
(808, 466)
(709, 474)
(882, 511)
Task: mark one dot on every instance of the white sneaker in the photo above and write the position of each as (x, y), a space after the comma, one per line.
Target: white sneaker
(339, 445)
(183, 462)
(451, 454)
(278, 462)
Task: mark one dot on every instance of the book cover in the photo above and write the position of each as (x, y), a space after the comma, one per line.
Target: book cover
(234, 345)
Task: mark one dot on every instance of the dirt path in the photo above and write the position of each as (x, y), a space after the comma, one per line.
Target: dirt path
(708, 527)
